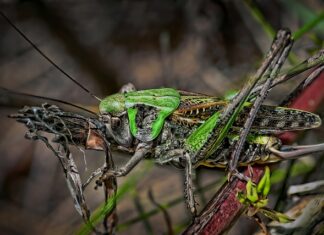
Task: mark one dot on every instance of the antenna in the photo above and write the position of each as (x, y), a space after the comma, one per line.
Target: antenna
(46, 98)
(47, 58)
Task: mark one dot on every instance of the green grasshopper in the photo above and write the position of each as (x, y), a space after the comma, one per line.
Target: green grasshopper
(189, 129)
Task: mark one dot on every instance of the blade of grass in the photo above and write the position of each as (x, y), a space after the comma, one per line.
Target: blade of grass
(169, 204)
(258, 16)
(141, 210)
(270, 32)
(309, 25)
(301, 10)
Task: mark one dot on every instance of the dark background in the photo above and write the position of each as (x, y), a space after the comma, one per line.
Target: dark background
(203, 46)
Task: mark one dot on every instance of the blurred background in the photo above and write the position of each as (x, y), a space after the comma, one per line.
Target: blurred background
(196, 45)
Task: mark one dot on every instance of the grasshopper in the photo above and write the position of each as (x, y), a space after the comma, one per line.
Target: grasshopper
(188, 129)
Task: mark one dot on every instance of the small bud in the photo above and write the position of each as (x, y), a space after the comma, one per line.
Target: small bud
(251, 191)
(265, 183)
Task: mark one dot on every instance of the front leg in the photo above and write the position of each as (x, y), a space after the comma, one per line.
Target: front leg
(141, 151)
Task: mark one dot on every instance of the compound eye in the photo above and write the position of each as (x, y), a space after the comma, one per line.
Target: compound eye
(115, 122)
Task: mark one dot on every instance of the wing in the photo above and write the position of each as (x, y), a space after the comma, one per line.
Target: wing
(195, 108)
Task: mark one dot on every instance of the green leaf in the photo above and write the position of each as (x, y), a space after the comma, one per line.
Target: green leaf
(251, 191)
(265, 183)
(275, 215)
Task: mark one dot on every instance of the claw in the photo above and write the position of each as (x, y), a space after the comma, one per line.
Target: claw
(239, 175)
(106, 175)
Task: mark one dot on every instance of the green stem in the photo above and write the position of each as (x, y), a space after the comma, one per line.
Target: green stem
(268, 29)
(308, 26)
